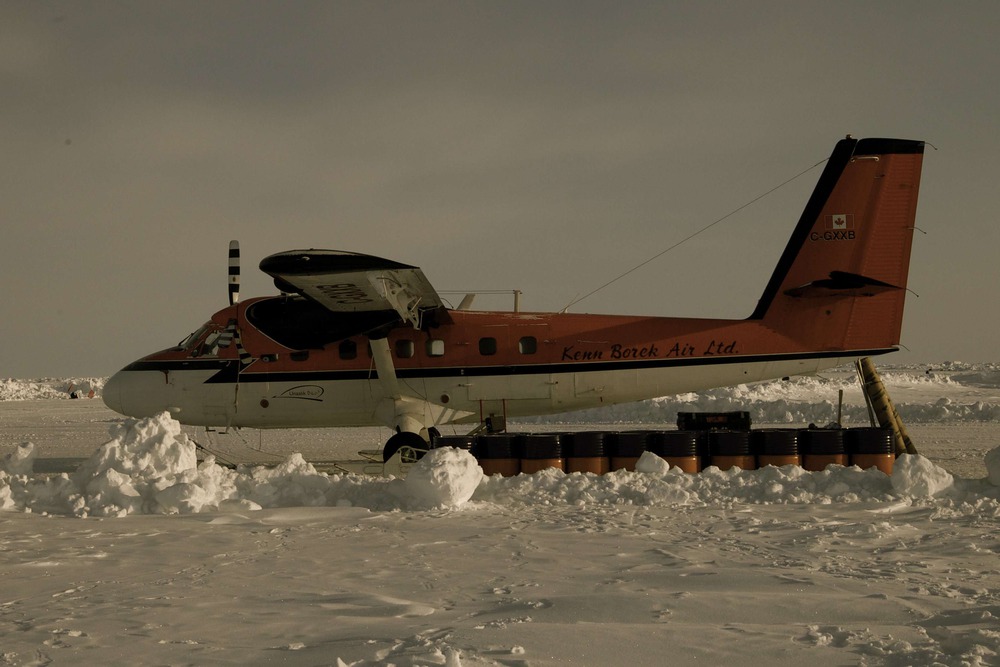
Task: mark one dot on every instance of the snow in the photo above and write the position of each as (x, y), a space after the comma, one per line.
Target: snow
(143, 554)
(12, 389)
(445, 477)
(916, 476)
(150, 466)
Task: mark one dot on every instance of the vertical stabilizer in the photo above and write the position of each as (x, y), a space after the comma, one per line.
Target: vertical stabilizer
(841, 281)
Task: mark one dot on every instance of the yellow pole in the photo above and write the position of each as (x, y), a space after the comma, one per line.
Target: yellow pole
(864, 392)
(884, 409)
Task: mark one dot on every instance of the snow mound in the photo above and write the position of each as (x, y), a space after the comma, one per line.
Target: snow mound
(149, 466)
(444, 477)
(21, 461)
(917, 476)
(993, 466)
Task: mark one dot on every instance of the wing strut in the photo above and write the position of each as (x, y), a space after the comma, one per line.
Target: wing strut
(386, 369)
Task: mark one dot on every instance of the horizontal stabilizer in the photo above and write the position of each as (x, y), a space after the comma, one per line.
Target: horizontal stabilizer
(841, 283)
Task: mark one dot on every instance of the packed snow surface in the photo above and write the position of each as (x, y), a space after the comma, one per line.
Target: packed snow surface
(145, 555)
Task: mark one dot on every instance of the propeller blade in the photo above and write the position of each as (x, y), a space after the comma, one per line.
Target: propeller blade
(234, 272)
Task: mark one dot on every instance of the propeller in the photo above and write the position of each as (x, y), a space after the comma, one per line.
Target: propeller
(234, 272)
(233, 330)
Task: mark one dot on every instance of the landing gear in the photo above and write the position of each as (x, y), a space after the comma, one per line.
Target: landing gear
(412, 441)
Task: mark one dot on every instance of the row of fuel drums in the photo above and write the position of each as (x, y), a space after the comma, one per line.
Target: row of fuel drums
(599, 452)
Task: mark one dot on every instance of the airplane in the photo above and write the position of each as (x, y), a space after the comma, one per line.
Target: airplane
(358, 340)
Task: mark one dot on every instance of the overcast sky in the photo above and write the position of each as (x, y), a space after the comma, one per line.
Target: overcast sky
(546, 147)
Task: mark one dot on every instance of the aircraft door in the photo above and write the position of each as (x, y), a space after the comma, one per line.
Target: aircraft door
(210, 352)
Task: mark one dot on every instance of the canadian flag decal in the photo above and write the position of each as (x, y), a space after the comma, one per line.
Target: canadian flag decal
(840, 221)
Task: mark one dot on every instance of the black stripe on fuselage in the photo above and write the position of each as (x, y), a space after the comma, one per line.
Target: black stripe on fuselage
(227, 369)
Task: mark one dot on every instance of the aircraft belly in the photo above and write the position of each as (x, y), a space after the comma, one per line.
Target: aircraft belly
(575, 391)
(656, 382)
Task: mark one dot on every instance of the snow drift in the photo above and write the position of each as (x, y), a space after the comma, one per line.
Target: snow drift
(149, 466)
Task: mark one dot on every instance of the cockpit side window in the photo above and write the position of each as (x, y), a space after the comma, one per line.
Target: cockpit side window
(210, 348)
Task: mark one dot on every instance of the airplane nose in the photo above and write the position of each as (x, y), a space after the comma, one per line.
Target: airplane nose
(112, 393)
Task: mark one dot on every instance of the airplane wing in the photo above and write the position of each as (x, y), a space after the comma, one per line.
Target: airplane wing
(351, 282)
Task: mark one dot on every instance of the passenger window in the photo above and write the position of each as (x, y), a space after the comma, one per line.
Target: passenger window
(348, 349)
(527, 345)
(435, 347)
(487, 346)
(404, 349)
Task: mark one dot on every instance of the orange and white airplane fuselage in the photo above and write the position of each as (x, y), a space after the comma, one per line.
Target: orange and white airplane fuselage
(358, 340)
(574, 362)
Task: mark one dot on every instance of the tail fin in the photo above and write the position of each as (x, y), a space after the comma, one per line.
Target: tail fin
(841, 281)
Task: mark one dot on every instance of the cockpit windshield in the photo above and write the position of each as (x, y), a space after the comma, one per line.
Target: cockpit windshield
(205, 342)
(189, 342)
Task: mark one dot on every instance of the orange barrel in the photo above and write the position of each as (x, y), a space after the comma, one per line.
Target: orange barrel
(731, 449)
(872, 447)
(498, 454)
(466, 442)
(540, 451)
(821, 447)
(678, 448)
(585, 452)
(704, 451)
(775, 447)
(625, 448)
